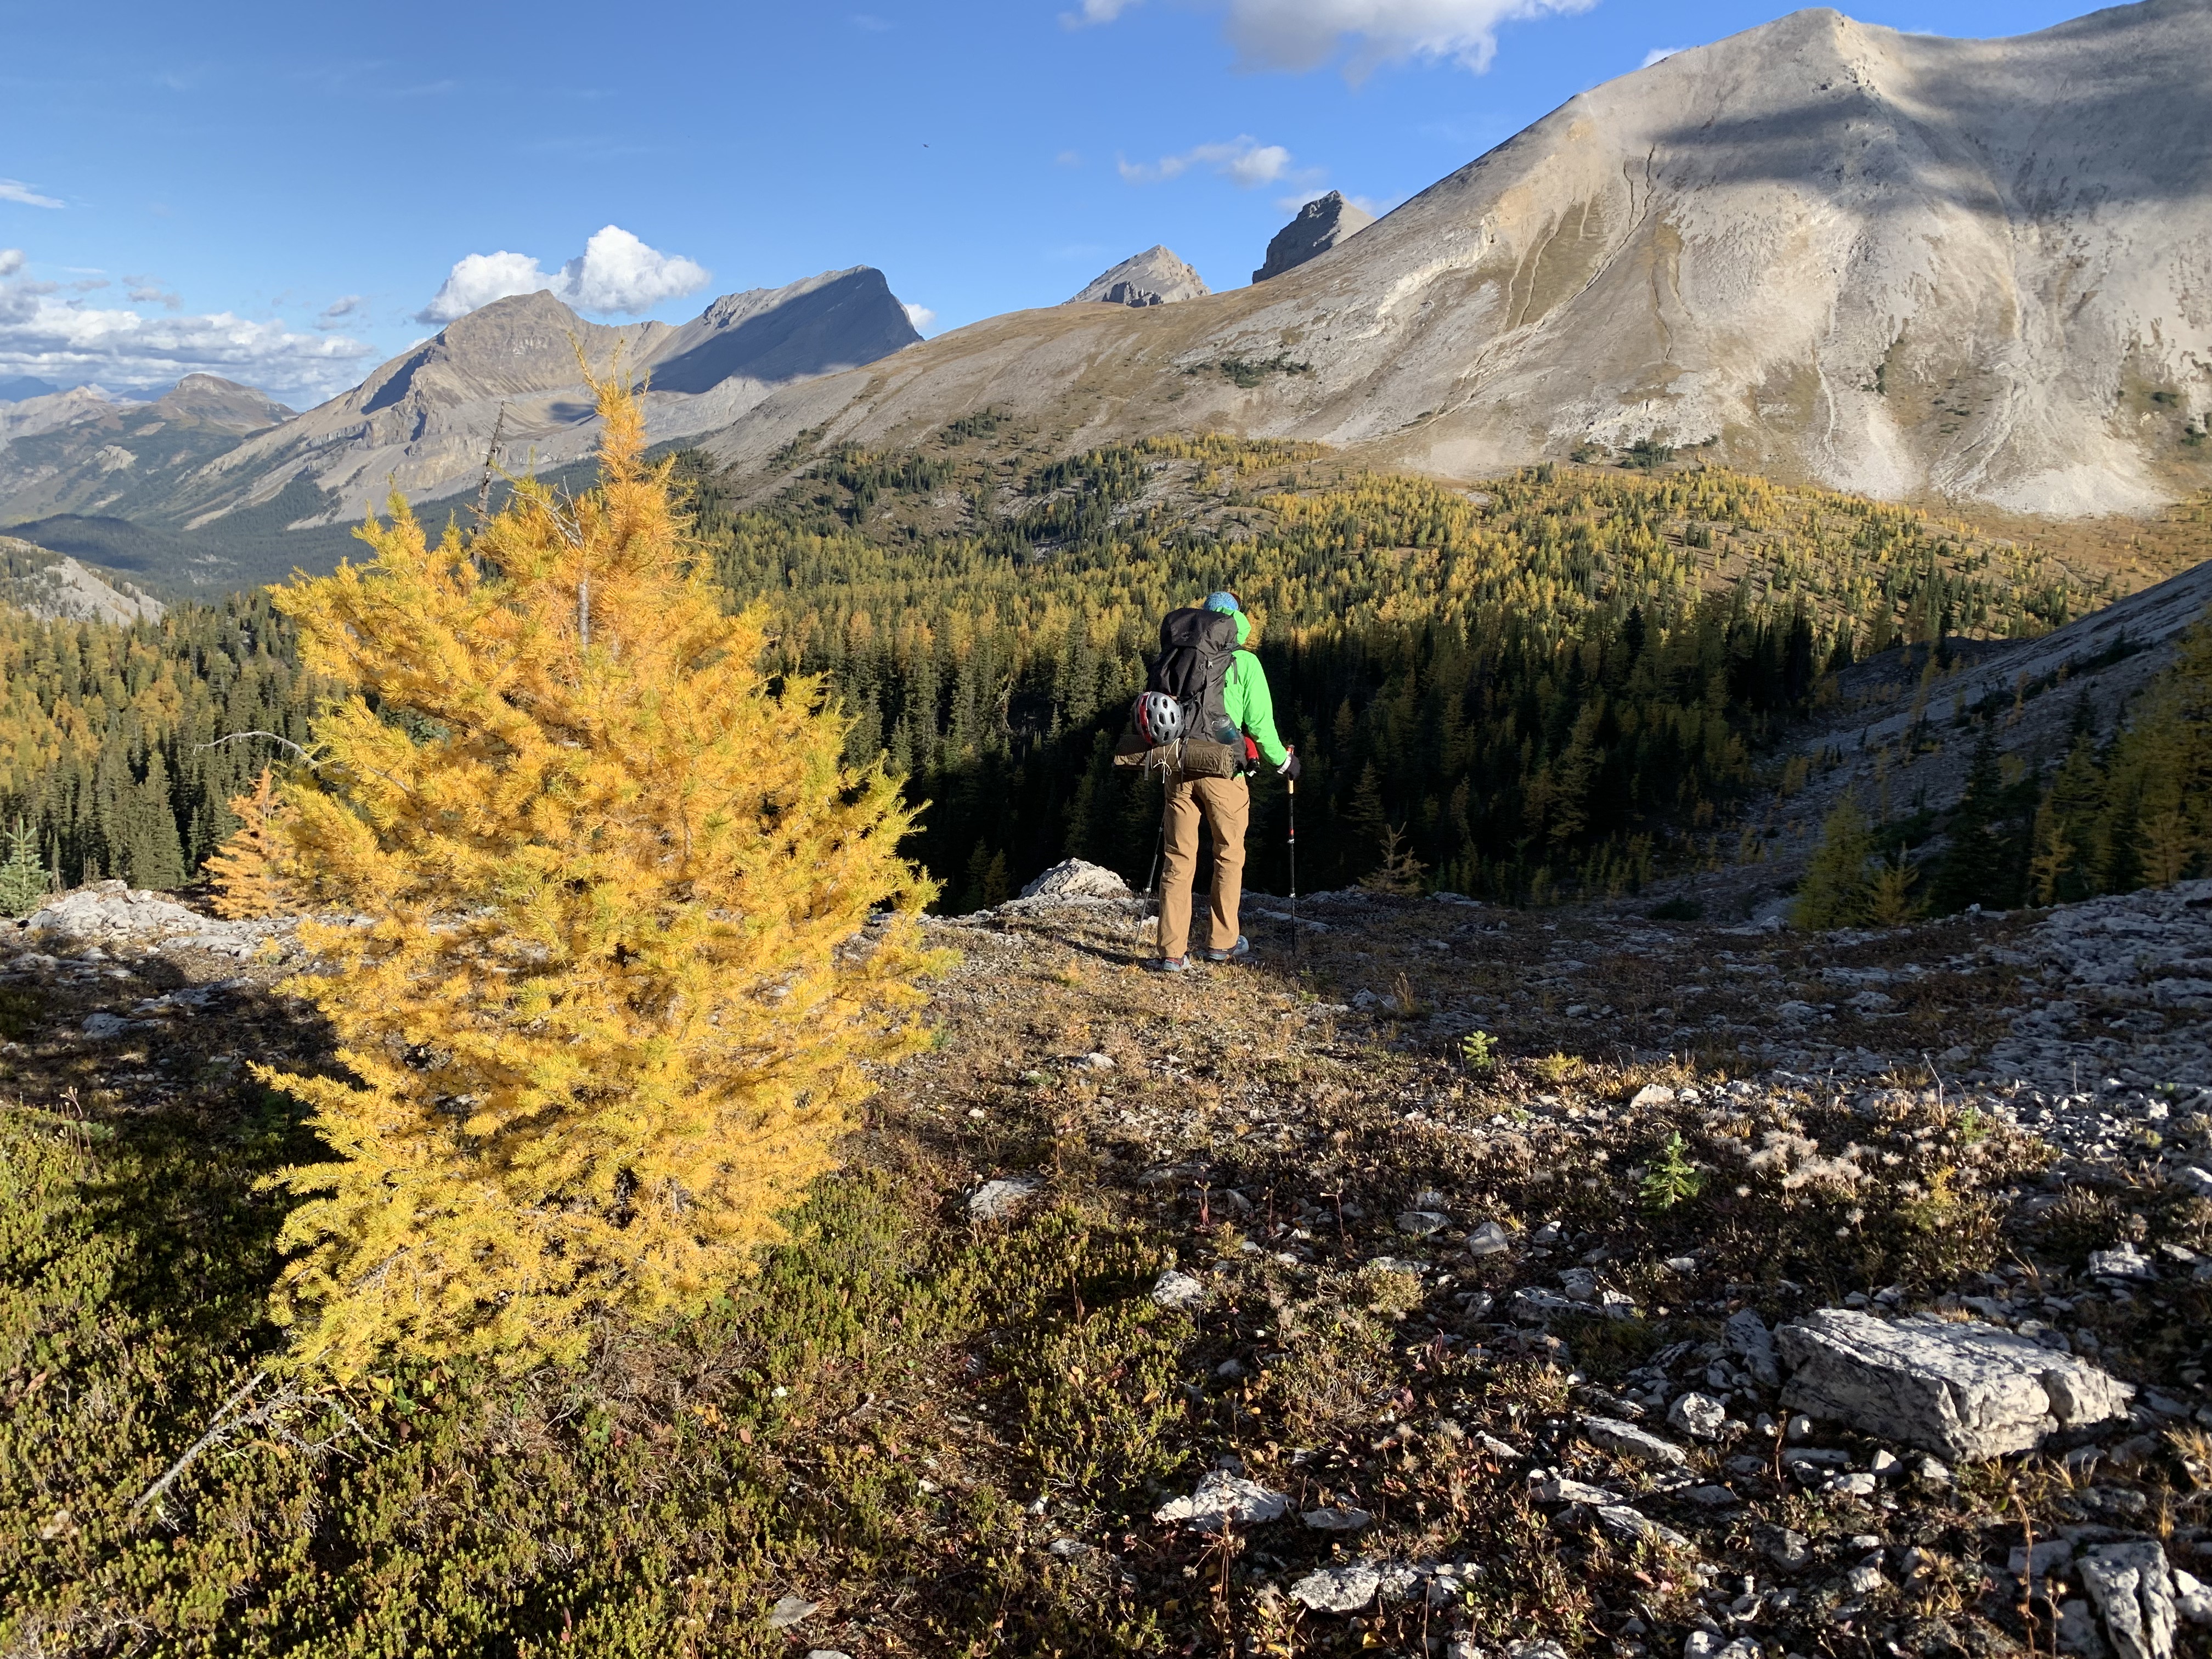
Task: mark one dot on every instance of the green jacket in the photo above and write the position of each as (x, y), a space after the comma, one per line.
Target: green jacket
(1246, 698)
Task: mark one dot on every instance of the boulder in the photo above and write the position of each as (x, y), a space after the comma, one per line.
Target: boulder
(1698, 1415)
(1962, 1390)
(1075, 879)
(1488, 1239)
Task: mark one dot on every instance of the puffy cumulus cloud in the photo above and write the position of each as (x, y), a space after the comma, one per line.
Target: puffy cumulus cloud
(16, 191)
(921, 317)
(615, 272)
(1243, 160)
(70, 343)
(1304, 34)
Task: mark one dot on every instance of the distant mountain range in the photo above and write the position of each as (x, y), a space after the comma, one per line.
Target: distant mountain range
(1907, 266)
(215, 485)
(1898, 264)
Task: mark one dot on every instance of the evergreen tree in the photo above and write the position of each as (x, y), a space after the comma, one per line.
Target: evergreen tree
(249, 869)
(1837, 891)
(24, 881)
(618, 981)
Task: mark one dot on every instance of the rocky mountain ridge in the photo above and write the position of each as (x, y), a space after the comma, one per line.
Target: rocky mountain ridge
(1897, 264)
(1320, 224)
(85, 451)
(1157, 276)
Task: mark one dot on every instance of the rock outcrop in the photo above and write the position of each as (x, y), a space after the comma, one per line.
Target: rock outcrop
(1963, 1390)
(1320, 226)
(1155, 277)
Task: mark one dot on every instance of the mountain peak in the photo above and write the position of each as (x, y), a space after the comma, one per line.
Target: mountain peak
(1155, 277)
(1320, 224)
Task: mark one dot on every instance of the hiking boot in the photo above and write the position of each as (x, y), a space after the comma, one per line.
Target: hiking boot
(1168, 965)
(1236, 952)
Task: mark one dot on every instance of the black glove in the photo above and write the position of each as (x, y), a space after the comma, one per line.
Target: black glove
(1292, 767)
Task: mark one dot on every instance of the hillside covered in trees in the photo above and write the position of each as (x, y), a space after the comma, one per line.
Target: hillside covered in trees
(1557, 683)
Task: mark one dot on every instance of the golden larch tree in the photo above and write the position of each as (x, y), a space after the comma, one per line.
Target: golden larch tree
(248, 867)
(630, 930)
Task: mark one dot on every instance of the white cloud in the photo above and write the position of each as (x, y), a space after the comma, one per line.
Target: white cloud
(150, 291)
(615, 272)
(335, 314)
(1659, 55)
(70, 342)
(16, 191)
(1244, 160)
(1304, 34)
(921, 317)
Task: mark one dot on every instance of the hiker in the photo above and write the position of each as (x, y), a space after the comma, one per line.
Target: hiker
(1208, 700)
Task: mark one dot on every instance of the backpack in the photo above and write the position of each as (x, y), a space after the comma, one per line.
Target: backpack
(1196, 647)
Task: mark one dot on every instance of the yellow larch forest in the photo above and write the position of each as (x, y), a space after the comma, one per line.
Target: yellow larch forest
(628, 930)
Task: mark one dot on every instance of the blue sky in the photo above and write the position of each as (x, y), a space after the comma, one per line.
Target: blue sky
(281, 193)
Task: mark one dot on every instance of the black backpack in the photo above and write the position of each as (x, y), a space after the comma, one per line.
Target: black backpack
(1196, 647)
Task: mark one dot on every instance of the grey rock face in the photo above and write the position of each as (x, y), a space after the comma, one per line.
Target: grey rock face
(1971, 1391)
(2133, 1588)
(1179, 1291)
(109, 914)
(1157, 277)
(1320, 226)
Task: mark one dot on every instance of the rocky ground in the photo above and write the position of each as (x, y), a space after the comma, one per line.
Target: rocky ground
(1496, 1282)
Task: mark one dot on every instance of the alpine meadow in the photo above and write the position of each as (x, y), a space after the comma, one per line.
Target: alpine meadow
(1497, 947)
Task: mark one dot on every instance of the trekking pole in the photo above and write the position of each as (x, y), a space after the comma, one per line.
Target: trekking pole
(1291, 789)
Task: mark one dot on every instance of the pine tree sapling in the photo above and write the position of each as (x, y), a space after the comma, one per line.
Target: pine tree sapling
(249, 869)
(1672, 1178)
(617, 979)
(1835, 890)
(24, 881)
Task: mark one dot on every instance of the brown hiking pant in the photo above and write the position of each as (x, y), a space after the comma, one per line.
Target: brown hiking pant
(1226, 804)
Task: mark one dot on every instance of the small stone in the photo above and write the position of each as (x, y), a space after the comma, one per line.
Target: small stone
(827, 1653)
(1488, 1239)
(2191, 1599)
(1712, 1497)
(1697, 1415)
(1866, 1578)
(1860, 1484)
(1068, 1548)
(2048, 1553)
(2192, 1180)
(994, 1200)
(1882, 1462)
(1783, 1546)
(2123, 1260)
(1634, 1526)
(2078, 1632)
(1180, 1292)
(1096, 1060)
(1626, 1440)
(1932, 1472)
(1799, 1427)
(1753, 1343)
(1542, 1648)
(2130, 1585)
(103, 1026)
(1336, 1519)
(1420, 1223)
(1222, 1500)
(1337, 1589)
(788, 1611)
(1559, 1489)
(1652, 1094)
